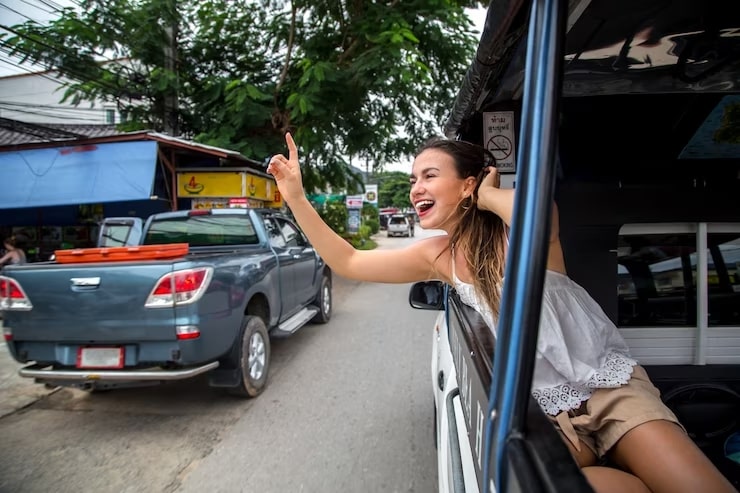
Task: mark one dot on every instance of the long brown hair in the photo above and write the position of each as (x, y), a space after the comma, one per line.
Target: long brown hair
(479, 236)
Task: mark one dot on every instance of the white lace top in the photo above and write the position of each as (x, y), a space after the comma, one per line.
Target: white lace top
(579, 349)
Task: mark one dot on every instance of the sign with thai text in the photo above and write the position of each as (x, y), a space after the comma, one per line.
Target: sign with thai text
(499, 138)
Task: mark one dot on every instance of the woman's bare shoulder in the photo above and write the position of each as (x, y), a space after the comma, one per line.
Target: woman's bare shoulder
(435, 250)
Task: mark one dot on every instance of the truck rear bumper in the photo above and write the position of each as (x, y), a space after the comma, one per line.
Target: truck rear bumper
(45, 373)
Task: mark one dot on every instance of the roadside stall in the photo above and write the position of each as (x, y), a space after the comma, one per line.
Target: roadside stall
(58, 192)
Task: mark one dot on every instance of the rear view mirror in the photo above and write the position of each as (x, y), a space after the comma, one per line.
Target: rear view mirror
(427, 295)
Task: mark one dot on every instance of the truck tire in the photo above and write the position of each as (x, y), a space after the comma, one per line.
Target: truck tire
(323, 301)
(253, 358)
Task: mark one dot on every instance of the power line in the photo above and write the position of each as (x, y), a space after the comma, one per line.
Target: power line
(55, 6)
(51, 115)
(76, 74)
(79, 75)
(27, 69)
(37, 7)
(14, 106)
(16, 12)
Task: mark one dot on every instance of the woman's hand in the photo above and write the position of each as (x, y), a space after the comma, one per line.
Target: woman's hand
(488, 190)
(287, 172)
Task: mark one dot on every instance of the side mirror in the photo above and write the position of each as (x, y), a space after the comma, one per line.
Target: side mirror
(427, 295)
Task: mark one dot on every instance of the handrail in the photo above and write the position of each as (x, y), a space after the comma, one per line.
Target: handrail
(458, 477)
(518, 323)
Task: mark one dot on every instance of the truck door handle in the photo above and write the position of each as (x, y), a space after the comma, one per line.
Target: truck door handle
(296, 256)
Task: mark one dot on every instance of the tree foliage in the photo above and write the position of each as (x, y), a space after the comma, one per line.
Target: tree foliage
(351, 79)
(393, 189)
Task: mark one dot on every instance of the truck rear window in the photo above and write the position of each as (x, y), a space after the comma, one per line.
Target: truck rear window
(202, 231)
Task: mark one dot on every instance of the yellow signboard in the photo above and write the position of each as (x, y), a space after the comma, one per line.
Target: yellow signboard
(228, 184)
(205, 184)
(259, 187)
(277, 199)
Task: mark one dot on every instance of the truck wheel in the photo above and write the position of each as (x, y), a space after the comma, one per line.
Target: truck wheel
(323, 301)
(254, 358)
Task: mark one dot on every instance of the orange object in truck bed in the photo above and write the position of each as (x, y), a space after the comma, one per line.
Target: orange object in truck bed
(122, 254)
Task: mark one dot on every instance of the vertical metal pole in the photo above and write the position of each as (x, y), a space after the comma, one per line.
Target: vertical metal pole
(702, 294)
(529, 240)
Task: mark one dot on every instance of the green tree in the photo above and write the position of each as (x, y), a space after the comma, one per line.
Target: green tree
(335, 215)
(352, 80)
(370, 217)
(393, 189)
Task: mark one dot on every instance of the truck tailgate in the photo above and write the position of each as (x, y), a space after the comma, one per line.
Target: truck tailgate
(91, 302)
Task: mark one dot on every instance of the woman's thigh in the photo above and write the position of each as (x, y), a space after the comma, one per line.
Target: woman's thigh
(666, 460)
(584, 457)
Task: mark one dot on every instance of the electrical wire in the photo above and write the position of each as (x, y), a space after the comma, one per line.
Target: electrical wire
(36, 113)
(27, 69)
(77, 74)
(74, 73)
(53, 110)
(38, 7)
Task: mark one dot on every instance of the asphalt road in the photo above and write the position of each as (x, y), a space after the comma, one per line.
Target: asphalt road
(348, 408)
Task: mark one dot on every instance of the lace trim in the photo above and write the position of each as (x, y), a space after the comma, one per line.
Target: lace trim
(616, 371)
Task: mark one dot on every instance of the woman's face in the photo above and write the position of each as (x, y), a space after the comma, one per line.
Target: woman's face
(437, 190)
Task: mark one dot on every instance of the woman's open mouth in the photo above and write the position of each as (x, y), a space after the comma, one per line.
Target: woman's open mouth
(423, 206)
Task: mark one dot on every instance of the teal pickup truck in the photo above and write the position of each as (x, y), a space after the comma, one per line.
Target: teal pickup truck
(249, 274)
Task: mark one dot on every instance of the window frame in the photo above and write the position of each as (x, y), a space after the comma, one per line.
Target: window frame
(705, 340)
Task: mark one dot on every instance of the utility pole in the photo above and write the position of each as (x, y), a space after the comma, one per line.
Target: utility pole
(171, 114)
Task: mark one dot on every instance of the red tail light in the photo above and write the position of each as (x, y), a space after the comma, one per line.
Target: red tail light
(12, 296)
(180, 287)
(187, 332)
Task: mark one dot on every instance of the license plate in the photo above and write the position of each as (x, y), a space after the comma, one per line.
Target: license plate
(100, 357)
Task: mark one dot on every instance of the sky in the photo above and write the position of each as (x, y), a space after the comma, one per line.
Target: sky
(14, 12)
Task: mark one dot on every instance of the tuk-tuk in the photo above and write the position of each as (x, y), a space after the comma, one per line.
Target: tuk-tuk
(627, 114)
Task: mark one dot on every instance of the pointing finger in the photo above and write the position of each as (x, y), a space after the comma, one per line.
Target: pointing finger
(292, 149)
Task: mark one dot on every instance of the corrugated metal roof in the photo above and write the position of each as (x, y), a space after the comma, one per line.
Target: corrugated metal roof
(14, 132)
(16, 135)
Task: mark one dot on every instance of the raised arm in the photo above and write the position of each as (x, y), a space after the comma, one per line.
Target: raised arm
(501, 202)
(410, 264)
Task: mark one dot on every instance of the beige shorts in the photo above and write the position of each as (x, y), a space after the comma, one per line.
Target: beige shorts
(610, 413)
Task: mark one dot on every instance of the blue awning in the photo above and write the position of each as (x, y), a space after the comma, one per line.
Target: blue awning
(86, 174)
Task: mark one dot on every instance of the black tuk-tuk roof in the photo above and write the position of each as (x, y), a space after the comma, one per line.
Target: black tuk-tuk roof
(626, 47)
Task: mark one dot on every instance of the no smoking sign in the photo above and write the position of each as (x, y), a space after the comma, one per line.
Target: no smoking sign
(498, 137)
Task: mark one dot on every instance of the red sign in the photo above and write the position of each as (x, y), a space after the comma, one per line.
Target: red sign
(239, 203)
(353, 201)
